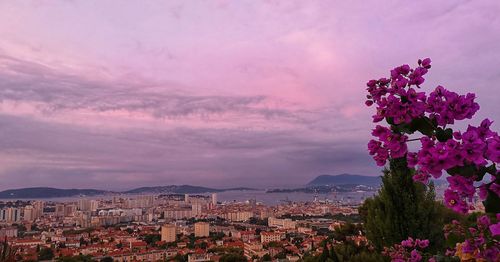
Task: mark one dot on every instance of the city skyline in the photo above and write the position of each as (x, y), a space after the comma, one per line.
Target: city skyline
(219, 94)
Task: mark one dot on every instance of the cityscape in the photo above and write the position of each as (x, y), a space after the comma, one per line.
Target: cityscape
(163, 227)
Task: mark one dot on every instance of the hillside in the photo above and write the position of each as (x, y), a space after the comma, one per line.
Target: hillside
(182, 189)
(48, 192)
(345, 179)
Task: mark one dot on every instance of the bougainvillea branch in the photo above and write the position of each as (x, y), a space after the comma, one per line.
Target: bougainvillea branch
(465, 156)
(409, 250)
(476, 242)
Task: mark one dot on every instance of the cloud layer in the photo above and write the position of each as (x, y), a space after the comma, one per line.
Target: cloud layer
(122, 94)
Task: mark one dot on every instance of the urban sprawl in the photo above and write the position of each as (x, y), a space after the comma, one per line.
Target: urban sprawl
(170, 227)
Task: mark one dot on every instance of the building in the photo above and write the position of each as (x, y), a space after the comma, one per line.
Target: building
(196, 209)
(168, 233)
(281, 223)
(178, 213)
(214, 199)
(238, 216)
(265, 213)
(8, 232)
(29, 213)
(83, 204)
(38, 206)
(12, 214)
(199, 258)
(87, 205)
(140, 202)
(201, 229)
(247, 236)
(59, 210)
(253, 249)
(94, 205)
(69, 210)
(266, 237)
(3, 214)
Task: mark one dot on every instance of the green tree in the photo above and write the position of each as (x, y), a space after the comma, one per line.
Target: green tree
(79, 258)
(232, 257)
(151, 239)
(266, 258)
(280, 255)
(203, 245)
(107, 259)
(403, 209)
(333, 255)
(350, 251)
(46, 254)
(347, 251)
(7, 252)
(326, 253)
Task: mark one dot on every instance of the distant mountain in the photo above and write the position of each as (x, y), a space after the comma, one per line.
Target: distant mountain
(345, 179)
(182, 189)
(325, 189)
(240, 189)
(48, 192)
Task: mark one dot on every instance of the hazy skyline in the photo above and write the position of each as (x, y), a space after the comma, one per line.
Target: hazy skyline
(119, 94)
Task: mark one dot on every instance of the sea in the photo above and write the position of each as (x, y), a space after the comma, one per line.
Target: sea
(260, 196)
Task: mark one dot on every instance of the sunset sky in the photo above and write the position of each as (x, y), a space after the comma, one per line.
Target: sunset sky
(121, 94)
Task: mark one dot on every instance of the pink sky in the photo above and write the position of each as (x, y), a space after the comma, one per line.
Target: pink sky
(117, 94)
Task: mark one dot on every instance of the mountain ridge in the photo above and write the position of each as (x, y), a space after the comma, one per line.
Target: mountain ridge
(345, 179)
(51, 192)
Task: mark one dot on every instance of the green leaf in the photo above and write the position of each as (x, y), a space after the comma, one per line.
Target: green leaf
(444, 134)
(492, 203)
(453, 239)
(405, 128)
(424, 126)
(404, 99)
(434, 121)
(480, 174)
(467, 171)
(390, 120)
(492, 170)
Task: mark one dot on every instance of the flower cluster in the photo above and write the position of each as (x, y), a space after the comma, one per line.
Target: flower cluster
(446, 106)
(475, 242)
(461, 189)
(475, 146)
(408, 250)
(390, 144)
(465, 156)
(392, 97)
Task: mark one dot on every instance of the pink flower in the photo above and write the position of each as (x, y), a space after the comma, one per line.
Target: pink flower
(422, 243)
(421, 177)
(426, 63)
(455, 201)
(415, 256)
(483, 191)
(495, 229)
(495, 188)
(408, 243)
(483, 221)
